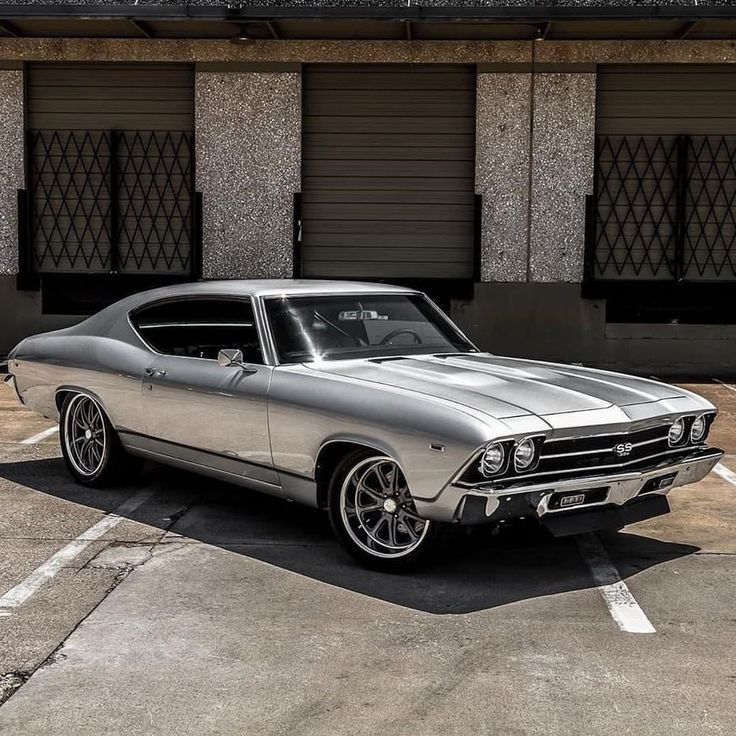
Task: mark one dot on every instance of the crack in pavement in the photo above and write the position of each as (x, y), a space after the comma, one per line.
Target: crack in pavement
(12, 682)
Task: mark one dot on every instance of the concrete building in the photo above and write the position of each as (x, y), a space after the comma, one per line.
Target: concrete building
(561, 176)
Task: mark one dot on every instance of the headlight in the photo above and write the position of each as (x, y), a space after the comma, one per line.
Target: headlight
(697, 431)
(677, 431)
(492, 460)
(524, 454)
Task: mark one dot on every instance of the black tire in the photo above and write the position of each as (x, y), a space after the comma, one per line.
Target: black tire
(362, 540)
(82, 422)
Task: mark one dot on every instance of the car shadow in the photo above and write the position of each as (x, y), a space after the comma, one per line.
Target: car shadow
(475, 569)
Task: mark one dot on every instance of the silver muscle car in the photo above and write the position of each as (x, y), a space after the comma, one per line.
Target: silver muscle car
(362, 399)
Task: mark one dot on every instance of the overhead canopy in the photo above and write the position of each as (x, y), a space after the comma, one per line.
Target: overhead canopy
(380, 22)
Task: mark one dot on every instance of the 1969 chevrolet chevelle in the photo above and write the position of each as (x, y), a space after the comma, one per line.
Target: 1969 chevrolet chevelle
(362, 399)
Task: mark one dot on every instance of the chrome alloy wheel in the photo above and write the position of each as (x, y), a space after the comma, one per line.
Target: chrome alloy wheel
(85, 436)
(378, 511)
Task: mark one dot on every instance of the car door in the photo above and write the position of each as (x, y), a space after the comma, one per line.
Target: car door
(203, 411)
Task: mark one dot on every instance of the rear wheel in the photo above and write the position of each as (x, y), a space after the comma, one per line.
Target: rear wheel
(90, 445)
(374, 515)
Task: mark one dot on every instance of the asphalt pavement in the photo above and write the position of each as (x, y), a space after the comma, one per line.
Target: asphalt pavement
(181, 605)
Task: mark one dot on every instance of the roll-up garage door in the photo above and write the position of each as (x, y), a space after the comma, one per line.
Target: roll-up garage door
(665, 182)
(111, 168)
(388, 171)
(79, 96)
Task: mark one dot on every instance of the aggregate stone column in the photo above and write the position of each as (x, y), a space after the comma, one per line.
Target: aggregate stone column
(502, 173)
(563, 142)
(248, 138)
(11, 167)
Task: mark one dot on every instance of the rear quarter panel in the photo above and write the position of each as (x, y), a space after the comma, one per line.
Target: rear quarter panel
(107, 368)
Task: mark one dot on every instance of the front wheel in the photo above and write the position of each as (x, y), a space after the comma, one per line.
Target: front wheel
(374, 516)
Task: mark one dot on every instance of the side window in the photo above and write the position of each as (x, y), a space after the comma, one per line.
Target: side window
(200, 328)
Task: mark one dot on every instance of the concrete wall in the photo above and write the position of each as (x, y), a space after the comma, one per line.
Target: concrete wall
(11, 166)
(20, 315)
(248, 138)
(550, 321)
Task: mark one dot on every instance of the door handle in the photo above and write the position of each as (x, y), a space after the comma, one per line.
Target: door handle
(150, 372)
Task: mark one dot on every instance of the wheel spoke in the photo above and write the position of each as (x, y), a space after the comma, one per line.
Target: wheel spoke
(367, 508)
(383, 479)
(412, 514)
(410, 531)
(392, 531)
(363, 488)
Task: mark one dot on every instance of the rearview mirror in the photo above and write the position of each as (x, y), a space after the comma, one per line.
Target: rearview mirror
(229, 357)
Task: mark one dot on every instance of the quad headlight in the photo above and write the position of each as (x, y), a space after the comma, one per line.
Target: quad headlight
(699, 428)
(492, 460)
(677, 432)
(524, 454)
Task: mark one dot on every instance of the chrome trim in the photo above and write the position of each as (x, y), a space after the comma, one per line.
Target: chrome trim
(155, 325)
(633, 428)
(592, 481)
(683, 441)
(588, 468)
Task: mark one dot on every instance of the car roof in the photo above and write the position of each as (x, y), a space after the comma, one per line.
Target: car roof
(264, 287)
(241, 287)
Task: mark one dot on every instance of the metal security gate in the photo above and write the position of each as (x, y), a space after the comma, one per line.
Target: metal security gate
(110, 170)
(665, 176)
(388, 172)
(664, 208)
(111, 201)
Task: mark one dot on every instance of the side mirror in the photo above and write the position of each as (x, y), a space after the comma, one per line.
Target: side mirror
(229, 357)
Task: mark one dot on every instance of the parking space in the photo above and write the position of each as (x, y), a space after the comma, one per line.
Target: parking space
(183, 605)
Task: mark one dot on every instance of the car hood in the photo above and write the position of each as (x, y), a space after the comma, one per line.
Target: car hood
(506, 387)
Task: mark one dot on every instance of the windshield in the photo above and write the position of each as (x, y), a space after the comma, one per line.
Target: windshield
(360, 326)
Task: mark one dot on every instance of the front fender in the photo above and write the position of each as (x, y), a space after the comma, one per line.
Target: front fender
(308, 410)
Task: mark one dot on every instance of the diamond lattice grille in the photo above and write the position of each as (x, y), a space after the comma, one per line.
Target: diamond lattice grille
(710, 217)
(634, 209)
(664, 208)
(155, 195)
(70, 180)
(111, 201)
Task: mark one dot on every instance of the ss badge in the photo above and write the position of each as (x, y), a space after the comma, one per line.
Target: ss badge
(622, 449)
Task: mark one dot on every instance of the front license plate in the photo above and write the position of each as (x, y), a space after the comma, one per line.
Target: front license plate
(578, 498)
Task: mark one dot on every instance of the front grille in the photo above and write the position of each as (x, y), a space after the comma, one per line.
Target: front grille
(563, 459)
(566, 458)
(626, 448)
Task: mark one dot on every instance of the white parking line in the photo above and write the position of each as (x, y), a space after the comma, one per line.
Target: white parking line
(725, 473)
(616, 594)
(40, 436)
(41, 575)
(726, 385)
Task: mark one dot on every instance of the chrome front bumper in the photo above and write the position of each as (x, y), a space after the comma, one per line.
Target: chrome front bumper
(487, 504)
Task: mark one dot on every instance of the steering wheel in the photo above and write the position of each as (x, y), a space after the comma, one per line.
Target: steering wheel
(401, 331)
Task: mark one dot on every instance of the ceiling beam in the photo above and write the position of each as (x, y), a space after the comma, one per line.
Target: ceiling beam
(519, 14)
(687, 29)
(142, 27)
(10, 28)
(543, 31)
